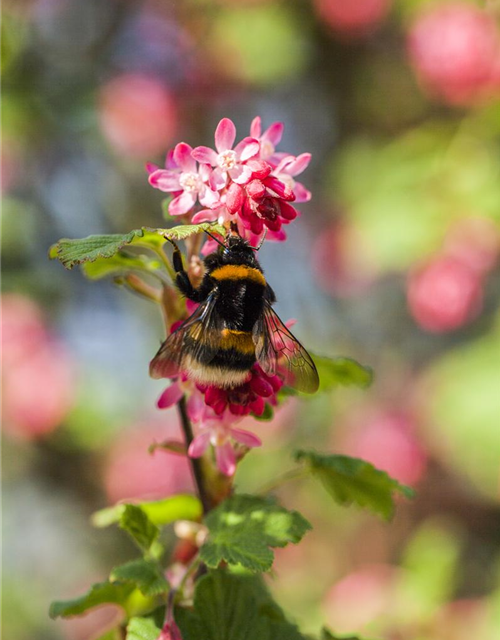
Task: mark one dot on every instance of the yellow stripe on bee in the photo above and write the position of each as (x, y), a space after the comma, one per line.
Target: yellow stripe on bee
(240, 340)
(238, 272)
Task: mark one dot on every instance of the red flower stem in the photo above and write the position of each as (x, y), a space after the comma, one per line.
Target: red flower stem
(196, 465)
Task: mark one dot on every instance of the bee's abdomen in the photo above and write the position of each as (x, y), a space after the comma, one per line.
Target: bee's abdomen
(222, 358)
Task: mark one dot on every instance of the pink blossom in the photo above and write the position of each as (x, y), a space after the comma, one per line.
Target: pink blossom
(287, 169)
(229, 163)
(454, 49)
(268, 140)
(170, 631)
(218, 432)
(187, 180)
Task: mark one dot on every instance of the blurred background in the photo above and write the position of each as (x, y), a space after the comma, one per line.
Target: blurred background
(393, 262)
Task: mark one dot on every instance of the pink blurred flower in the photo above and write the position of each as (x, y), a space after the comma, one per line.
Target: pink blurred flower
(188, 180)
(352, 17)
(386, 439)
(454, 48)
(475, 242)
(131, 472)
(229, 163)
(170, 631)
(217, 431)
(38, 372)
(444, 294)
(138, 114)
(360, 598)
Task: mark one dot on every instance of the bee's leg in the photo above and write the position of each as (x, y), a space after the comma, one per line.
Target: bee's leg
(182, 278)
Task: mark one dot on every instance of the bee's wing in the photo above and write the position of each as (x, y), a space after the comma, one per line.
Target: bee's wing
(168, 360)
(275, 345)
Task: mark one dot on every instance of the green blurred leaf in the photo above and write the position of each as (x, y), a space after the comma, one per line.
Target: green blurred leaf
(142, 629)
(70, 252)
(326, 634)
(159, 512)
(268, 413)
(243, 528)
(112, 634)
(145, 575)
(101, 593)
(137, 524)
(118, 264)
(351, 480)
(341, 371)
(234, 607)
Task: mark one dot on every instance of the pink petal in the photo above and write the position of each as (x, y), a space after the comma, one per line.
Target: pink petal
(205, 155)
(218, 179)
(301, 193)
(225, 135)
(241, 174)
(276, 236)
(226, 460)
(182, 204)
(151, 167)
(274, 133)
(170, 396)
(246, 149)
(235, 196)
(204, 172)
(205, 215)
(208, 198)
(209, 247)
(245, 437)
(164, 180)
(183, 157)
(199, 445)
(280, 188)
(256, 127)
(169, 160)
(283, 165)
(299, 164)
(195, 407)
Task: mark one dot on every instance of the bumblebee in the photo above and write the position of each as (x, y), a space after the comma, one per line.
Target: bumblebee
(233, 327)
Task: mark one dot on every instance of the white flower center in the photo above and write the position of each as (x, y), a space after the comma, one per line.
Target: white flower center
(190, 182)
(227, 160)
(219, 436)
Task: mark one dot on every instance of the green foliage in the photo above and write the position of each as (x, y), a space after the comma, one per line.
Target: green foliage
(142, 629)
(118, 264)
(342, 371)
(159, 512)
(234, 607)
(70, 252)
(355, 481)
(144, 574)
(112, 634)
(326, 634)
(137, 524)
(98, 594)
(243, 528)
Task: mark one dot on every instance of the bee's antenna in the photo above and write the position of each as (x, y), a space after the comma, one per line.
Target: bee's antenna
(261, 241)
(214, 238)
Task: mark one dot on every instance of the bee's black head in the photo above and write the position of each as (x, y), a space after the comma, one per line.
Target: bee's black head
(237, 250)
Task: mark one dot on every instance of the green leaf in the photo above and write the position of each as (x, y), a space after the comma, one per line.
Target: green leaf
(70, 252)
(243, 528)
(351, 480)
(142, 629)
(342, 371)
(145, 575)
(159, 512)
(98, 594)
(137, 524)
(112, 634)
(234, 607)
(118, 264)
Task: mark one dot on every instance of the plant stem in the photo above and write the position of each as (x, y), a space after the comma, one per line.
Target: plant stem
(196, 466)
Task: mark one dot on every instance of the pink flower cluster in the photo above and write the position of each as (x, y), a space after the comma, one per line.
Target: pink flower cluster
(250, 182)
(214, 411)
